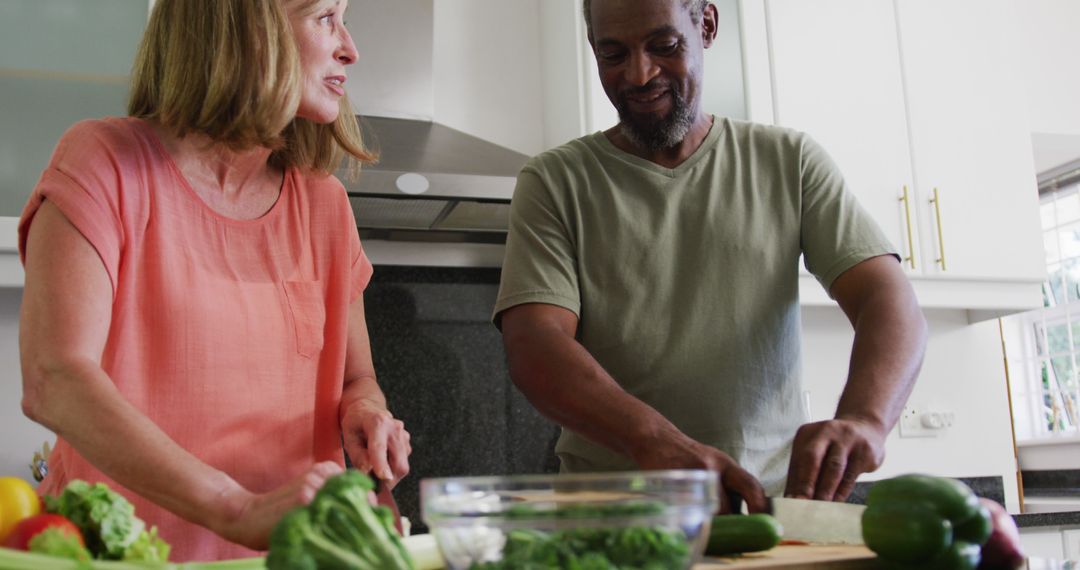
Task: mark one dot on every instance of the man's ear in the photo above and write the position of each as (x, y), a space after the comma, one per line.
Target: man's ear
(709, 19)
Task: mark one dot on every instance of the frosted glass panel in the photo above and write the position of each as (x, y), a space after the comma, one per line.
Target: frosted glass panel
(34, 115)
(61, 61)
(75, 36)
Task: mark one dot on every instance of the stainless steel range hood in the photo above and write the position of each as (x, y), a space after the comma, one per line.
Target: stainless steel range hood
(432, 183)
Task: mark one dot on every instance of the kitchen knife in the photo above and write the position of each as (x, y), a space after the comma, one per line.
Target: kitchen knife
(818, 522)
(386, 498)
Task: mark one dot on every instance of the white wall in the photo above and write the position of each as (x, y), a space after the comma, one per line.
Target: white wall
(963, 373)
(1051, 64)
(488, 77)
(723, 85)
(391, 78)
(19, 437)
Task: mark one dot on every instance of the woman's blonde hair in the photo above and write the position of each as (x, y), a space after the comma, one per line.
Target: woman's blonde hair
(229, 69)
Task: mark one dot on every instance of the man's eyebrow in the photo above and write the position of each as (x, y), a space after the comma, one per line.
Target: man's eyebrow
(665, 30)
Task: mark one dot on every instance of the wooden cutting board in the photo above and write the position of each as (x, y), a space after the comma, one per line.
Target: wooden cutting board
(790, 557)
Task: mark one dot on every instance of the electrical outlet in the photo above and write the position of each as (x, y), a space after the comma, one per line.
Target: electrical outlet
(918, 422)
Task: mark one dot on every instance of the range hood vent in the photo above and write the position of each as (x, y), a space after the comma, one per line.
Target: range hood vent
(432, 183)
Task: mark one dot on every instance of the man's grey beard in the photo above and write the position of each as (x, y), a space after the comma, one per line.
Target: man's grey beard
(661, 134)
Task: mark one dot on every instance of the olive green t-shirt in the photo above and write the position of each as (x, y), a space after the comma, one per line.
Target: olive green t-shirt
(685, 280)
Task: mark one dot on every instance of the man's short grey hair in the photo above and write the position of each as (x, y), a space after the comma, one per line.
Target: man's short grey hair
(696, 7)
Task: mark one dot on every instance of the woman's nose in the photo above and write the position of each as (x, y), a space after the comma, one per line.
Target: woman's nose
(346, 53)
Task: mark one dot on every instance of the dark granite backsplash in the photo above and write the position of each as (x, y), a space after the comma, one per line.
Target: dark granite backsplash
(994, 488)
(1052, 482)
(990, 487)
(441, 363)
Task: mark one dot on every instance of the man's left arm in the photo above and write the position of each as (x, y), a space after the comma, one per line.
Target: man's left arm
(890, 339)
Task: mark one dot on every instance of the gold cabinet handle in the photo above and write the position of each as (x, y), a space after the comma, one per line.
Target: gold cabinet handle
(910, 239)
(936, 201)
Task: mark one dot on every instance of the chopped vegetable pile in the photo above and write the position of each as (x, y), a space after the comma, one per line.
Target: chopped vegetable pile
(339, 529)
(589, 548)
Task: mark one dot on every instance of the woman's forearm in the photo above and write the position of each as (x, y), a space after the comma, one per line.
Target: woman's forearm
(77, 400)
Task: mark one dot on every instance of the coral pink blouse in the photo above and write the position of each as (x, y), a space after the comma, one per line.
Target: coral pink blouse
(229, 334)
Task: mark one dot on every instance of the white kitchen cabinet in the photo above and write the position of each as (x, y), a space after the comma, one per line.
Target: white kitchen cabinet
(923, 95)
(1071, 541)
(1042, 542)
(970, 138)
(60, 61)
(836, 76)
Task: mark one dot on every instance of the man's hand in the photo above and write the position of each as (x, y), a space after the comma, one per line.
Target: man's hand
(685, 453)
(828, 456)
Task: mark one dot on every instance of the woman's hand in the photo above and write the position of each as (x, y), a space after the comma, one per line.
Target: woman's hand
(248, 518)
(376, 442)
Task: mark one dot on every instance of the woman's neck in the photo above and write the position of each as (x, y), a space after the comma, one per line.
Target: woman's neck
(236, 183)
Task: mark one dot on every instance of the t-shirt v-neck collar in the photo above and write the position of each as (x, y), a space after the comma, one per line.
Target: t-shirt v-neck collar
(604, 145)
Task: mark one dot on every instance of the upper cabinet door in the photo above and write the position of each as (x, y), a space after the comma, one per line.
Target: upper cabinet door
(61, 61)
(971, 139)
(836, 76)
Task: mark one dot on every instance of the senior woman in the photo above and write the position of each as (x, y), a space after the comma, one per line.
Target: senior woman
(193, 324)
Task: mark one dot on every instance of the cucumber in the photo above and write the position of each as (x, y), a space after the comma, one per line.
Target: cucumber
(734, 534)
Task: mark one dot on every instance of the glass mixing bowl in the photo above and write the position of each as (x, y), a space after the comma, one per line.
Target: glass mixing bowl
(649, 519)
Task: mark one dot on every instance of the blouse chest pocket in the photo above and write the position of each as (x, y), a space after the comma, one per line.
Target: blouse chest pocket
(307, 309)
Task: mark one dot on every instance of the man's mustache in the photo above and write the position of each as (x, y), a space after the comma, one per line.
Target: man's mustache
(650, 87)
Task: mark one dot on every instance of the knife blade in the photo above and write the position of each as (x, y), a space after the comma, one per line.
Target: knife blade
(818, 522)
(386, 498)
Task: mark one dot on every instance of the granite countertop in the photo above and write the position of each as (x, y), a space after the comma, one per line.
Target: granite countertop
(1060, 518)
(1052, 498)
(1041, 487)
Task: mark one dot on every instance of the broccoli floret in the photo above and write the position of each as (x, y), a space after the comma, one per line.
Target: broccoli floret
(298, 543)
(339, 529)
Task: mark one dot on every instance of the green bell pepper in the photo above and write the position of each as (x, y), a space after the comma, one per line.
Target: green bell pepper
(920, 521)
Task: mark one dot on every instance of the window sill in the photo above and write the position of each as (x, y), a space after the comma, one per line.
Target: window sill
(1047, 454)
(1050, 440)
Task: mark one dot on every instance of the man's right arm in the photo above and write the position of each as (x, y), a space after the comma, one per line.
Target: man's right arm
(562, 380)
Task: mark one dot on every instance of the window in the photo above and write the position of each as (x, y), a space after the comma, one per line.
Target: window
(1043, 346)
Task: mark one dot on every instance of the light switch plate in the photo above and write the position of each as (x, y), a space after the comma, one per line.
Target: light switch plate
(919, 422)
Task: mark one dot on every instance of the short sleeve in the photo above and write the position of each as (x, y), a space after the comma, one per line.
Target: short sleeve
(837, 233)
(540, 264)
(361, 271)
(86, 180)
